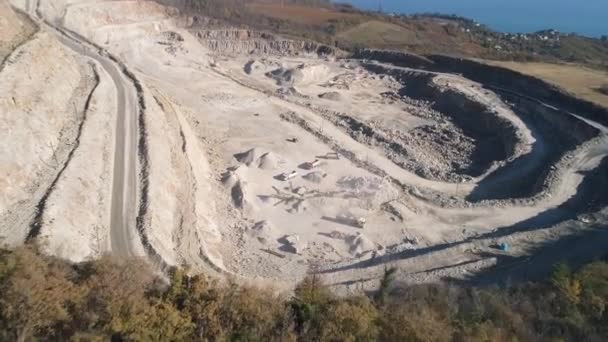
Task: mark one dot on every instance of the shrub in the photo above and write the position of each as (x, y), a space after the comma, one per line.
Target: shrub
(43, 298)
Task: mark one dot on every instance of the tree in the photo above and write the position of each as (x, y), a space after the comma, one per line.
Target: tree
(35, 295)
(354, 319)
(44, 298)
(115, 300)
(308, 305)
(411, 321)
(568, 286)
(163, 322)
(204, 303)
(385, 284)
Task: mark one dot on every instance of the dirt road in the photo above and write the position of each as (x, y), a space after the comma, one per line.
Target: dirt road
(123, 236)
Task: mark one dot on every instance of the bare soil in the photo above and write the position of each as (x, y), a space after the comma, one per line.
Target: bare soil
(261, 159)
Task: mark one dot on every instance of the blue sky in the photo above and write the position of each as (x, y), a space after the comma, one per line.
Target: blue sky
(589, 17)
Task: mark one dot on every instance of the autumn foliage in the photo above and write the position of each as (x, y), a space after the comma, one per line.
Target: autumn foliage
(43, 298)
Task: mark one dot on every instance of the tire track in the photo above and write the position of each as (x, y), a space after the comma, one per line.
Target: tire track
(166, 106)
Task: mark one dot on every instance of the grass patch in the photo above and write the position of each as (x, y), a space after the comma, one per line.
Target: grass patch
(300, 14)
(378, 34)
(583, 82)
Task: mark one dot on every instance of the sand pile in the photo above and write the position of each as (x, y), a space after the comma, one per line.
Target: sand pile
(268, 161)
(314, 177)
(238, 193)
(289, 91)
(252, 66)
(229, 179)
(249, 157)
(232, 176)
(172, 36)
(293, 244)
(360, 244)
(313, 74)
(241, 198)
(255, 157)
(332, 95)
(286, 77)
(360, 183)
(263, 231)
(234, 180)
(300, 75)
(298, 207)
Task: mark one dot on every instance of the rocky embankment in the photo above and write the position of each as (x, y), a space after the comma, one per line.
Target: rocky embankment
(238, 42)
(397, 58)
(491, 76)
(543, 107)
(495, 138)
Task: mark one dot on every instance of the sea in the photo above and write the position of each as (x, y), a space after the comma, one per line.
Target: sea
(584, 17)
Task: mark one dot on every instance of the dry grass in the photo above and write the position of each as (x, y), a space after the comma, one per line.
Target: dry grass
(377, 33)
(299, 14)
(417, 36)
(580, 81)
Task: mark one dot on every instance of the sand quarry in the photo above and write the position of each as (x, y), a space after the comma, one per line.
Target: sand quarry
(129, 131)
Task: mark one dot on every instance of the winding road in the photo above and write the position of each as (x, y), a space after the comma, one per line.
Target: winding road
(123, 235)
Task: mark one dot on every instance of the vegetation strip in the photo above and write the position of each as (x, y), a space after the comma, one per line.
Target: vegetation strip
(44, 298)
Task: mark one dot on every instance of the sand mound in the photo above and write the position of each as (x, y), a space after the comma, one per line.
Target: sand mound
(232, 176)
(286, 77)
(255, 157)
(360, 183)
(229, 179)
(263, 231)
(332, 95)
(293, 244)
(314, 73)
(268, 161)
(249, 157)
(360, 244)
(172, 36)
(314, 177)
(298, 207)
(289, 91)
(252, 66)
(302, 74)
(238, 193)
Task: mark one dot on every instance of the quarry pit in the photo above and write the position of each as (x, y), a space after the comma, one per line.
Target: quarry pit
(262, 159)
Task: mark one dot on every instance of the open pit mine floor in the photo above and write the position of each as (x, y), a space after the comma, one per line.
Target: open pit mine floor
(262, 159)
